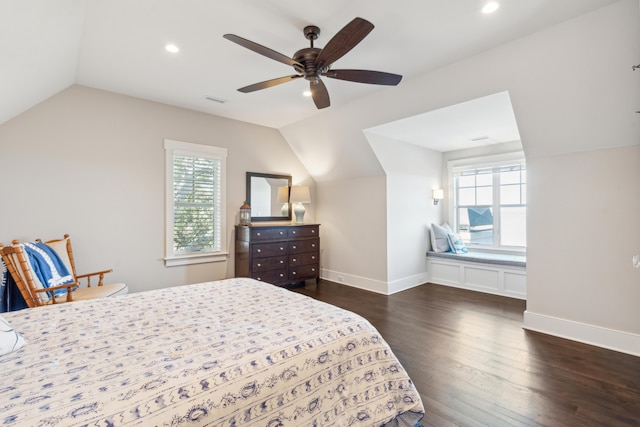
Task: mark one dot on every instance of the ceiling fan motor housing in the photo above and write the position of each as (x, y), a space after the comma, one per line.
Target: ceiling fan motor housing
(307, 57)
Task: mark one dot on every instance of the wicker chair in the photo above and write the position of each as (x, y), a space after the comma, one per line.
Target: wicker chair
(37, 294)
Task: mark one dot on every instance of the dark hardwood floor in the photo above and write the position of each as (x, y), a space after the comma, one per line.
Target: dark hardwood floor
(474, 365)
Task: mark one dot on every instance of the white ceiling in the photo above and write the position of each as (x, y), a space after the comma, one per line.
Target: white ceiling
(118, 45)
(483, 121)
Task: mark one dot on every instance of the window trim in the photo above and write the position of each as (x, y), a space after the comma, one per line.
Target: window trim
(491, 161)
(172, 148)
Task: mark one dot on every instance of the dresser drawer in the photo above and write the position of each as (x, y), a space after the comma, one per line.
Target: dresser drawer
(302, 272)
(281, 254)
(303, 258)
(306, 231)
(307, 245)
(259, 234)
(273, 276)
(269, 249)
(269, 263)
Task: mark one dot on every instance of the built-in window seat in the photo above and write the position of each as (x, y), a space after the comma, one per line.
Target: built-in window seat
(500, 274)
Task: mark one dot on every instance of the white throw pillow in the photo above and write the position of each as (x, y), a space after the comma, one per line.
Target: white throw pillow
(10, 340)
(439, 239)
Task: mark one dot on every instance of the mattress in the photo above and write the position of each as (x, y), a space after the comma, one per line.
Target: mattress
(235, 352)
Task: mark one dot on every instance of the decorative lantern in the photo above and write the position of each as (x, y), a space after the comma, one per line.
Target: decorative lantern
(245, 214)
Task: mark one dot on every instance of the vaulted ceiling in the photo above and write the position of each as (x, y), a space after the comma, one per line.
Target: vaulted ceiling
(119, 46)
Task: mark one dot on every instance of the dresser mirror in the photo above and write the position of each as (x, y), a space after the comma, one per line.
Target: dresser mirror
(268, 195)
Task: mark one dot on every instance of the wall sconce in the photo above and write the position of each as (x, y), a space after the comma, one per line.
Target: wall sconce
(437, 195)
(299, 195)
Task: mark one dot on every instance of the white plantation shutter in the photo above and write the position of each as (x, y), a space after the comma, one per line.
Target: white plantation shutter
(195, 203)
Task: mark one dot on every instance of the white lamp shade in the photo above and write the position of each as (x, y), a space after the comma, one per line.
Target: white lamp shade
(300, 194)
(283, 195)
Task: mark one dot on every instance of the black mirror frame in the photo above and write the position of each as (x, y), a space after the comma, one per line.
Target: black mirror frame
(267, 175)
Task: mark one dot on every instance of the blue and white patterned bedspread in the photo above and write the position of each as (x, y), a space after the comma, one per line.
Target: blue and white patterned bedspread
(235, 352)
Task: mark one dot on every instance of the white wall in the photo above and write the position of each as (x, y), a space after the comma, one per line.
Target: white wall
(91, 164)
(353, 218)
(572, 90)
(584, 228)
(411, 173)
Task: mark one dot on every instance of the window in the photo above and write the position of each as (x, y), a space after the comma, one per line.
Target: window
(489, 203)
(195, 203)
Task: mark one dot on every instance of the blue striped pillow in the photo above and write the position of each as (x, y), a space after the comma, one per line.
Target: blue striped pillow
(456, 243)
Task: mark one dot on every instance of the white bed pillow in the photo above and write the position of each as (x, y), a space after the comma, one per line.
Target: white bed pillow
(10, 340)
(439, 239)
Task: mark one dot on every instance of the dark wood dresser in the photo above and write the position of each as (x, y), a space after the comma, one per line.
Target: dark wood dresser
(278, 254)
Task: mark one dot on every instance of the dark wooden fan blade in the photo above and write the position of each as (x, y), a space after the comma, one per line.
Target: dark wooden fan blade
(269, 53)
(267, 84)
(345, 40)
(319, 94)
(365, 76)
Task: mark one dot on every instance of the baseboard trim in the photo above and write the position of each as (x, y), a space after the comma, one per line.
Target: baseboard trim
(380, 287)
(354, 281)
(611, 339)
(407, 283)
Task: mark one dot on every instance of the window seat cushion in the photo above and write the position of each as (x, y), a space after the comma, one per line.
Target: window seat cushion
(484, 258)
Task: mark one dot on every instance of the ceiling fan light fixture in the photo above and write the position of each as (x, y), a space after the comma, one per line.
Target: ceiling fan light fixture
(313, 63)
(306, 93)
(490, 7)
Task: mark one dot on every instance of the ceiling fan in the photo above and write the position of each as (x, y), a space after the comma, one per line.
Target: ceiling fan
(313, 63)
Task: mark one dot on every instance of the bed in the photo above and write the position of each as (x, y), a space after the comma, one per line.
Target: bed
(234, 352)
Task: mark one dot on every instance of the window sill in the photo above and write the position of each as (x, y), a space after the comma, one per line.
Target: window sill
(195, 259)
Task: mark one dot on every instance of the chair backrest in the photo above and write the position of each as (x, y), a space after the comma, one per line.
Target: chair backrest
(20, 269)
(64, 251)
(480, 216)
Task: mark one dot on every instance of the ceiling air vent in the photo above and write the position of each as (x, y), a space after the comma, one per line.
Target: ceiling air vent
(214, 99)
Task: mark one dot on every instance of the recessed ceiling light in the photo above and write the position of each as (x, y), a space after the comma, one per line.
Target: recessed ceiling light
(307, 93)
(490, 7)
(172, 48)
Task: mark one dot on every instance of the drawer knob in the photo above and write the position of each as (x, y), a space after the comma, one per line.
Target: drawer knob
(295, 260)
(259, 265)
(294, 232)
(294, 273)
(313, 231)
(281, 262)
(313, 269)
(313, 245)
(281, 233)
(259, 250)
(258, 278)
(313, 257)
(282, 275)
(258, 234)
(281, 248)
(294, 247)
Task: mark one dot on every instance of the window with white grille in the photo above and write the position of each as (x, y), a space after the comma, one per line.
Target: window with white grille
(195, 203)
(489, 204)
